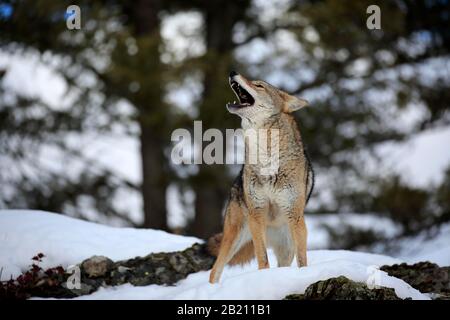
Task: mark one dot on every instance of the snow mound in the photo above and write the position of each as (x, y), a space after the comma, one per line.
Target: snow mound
(67, 241)
(275, 283)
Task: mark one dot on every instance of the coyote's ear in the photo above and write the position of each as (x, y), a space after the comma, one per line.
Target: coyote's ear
(292, 103)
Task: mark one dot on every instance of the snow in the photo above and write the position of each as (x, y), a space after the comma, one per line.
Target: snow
(240, 283)
(66, 241)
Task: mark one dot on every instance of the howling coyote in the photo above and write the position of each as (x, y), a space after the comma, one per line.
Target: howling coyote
(266, 209)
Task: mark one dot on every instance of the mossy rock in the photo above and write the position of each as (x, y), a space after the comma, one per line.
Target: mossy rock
(342, 288)
(164, 268)
(426, 277)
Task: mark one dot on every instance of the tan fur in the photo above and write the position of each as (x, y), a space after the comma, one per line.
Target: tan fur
(267, 210)
(244, 255)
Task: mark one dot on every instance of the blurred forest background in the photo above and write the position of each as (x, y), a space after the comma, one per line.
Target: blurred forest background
(86, 115)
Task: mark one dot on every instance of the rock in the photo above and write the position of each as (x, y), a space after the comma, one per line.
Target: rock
(164, 268)
(122, 269)
(199, 257)
(342, 288)
(97, 266)
(426, 277)
(161, 268)
(179, 263)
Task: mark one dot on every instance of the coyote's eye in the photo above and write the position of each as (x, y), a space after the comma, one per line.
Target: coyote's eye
(259, 86)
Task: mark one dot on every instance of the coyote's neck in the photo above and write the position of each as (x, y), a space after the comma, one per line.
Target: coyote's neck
(287, 133)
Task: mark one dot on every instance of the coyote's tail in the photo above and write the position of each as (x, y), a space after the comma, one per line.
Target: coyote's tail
(244, 255)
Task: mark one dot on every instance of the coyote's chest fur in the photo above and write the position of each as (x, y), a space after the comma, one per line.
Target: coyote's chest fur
(277, 192)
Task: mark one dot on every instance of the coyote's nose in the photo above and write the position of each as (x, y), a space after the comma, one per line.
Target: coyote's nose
(233, 73)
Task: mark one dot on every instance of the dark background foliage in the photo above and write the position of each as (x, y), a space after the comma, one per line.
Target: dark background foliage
(358, 81)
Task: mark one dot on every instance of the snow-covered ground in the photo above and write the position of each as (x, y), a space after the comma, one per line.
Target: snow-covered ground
(275, 283)
(66, 241)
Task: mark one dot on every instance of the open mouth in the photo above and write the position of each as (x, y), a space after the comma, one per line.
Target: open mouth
(245, 98)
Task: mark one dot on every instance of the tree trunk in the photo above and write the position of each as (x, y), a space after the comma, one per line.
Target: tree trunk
(212, 183)
(210, 191)
(154, 181)
(151, 117)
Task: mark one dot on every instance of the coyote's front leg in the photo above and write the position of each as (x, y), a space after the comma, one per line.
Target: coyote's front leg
(298, 231)
(257, 225)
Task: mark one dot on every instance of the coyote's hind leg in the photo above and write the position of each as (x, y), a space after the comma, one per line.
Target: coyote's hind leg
(234, 236)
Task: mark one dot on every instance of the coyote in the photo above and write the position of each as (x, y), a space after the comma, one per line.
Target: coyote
(266, 210)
